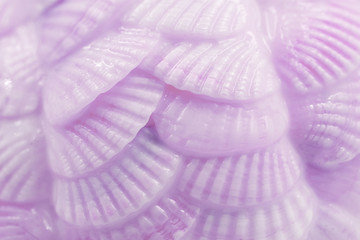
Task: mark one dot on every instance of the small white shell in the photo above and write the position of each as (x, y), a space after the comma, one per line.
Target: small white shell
(135, 178)
(286, 218)
(243, 180)
(23, 171)
(104, 128)
(193, 18)
(95, 69)
(234, 69)
(199, 127)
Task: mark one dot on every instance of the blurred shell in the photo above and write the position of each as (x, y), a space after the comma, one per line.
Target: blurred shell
(105, 128)
(169, 218)
(199, 127)
(23, 176)
(193, 18)
(234, 69)
(326, 126)
(125, 186)
(333, 223)
(244, 180)
(19, 72)
(286, 218)
(95, 69)
(319, 44)
(71, 24)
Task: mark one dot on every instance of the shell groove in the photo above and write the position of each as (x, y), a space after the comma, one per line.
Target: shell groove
(22, 161)
(19, 72)
(131, 181)
(234, 69)
(327, 126)
(287, 218)
(193, 18)
(71, 24)
(95, 69)
(187, 123)
(244, 180)
(105, 128)
(318, 47)
(169, 217)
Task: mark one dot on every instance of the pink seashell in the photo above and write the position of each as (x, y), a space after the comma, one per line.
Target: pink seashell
(22, 161)
(194, 18)
(286, 218)
(105, 128)
(95, 69)
(319, 44)
(234, 69)
(243, 180)
(20, 72)
(185, 122)
(123, 187)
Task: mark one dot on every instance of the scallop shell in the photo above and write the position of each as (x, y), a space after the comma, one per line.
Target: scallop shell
(71, 24)
(193, 18)
(169, 217)
(286, 218)
(327, 126)
(333, 223)
(19, 72)
(235, 69)
(22, 161)
(319, 44)
(244, 180)
(95, 69)
(200, 127)
(120, 189)
(105, 128)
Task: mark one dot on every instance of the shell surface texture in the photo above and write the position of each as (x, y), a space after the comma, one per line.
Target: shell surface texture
(179, 120)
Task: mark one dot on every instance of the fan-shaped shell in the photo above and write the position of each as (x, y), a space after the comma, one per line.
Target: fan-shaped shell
(105, 128)
(334, 223)
(286, 218)
(72, 24)
(19, 72)
(235, 69)
(194, 18)
(23, 176)
(243, 180)
(131, 181)
(169, 217)
(319, 44)
(95, 69)
(327, 126)
(201, 127)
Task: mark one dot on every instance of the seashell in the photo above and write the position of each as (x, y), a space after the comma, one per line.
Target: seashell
(234, 69)
(105, 128)
(71, 24)
(134, 179)
(244, 180)
(319, 44)
(286, 218)
(334, 223)
(326, 126)
(169, 217)
(22, 161)
(187, 123)
(19, 72)
(95, 69)
(209, 19)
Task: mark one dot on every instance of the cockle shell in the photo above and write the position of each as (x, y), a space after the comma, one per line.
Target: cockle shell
(95, 69)
(318, 44)
(106, 126)
(186, 122)
(123, 187)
